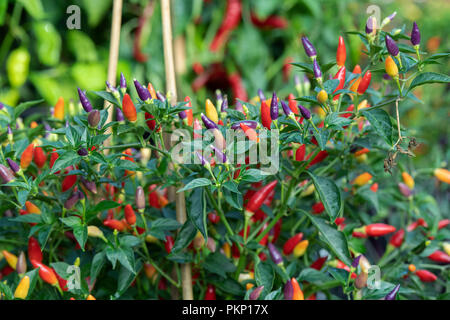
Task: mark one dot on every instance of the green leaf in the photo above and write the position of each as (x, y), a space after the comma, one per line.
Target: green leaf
(231, 286)
(335, 239)
(314, 276)
(381, 122)
(340, 275)
(71, 222)
(329, 194)
(219, 264)
(253, 175)
(6, 291)
(428, 77)
(105, 205)
(264, 276)
(68, 158)
(97, 264)
(185, 236)
(61, 269)
(29, 218)
(81, 234)
(24, 106)
(197, 214)
(200, 182)
(165, 224)
(34, 8)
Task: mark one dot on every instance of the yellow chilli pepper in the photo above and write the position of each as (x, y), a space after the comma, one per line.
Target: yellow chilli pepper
(391, 67)
(10, 258)
(95, 232)
(211, 111)
(22, 289)
(226, 249)
(151, 239)
(442, 175)
(362, 179)
(300, 248)
(90, 297)
(446, 246)
(363, 104)
(322, 96)
(408, 180)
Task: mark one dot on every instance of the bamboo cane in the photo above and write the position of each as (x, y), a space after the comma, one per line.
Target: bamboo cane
(113, 56)
(186, 277)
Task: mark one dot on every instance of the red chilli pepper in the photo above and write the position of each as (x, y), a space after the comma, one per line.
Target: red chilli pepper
(27, 156)
(213, 217)
(318, 264)
(439, 256)
(443, 223)
(290, 244)
(34, 250)
(426, 276)
(231, 20)
(287, 68)
(150, 121)
(300, 153)
(189, 115)
(340, 75)
(249, 132)
(46, 273)
(146, 14)
(115, 224)
(271, 22)
(341, 53)
(319, 158)
(68, 182)
(397, 239)
(168, 244)
(266, 120)
(237, 87)
(378, 229)
(257, 200)
(365, 82)
(210, 292)
(129, 110)
(130, 216)
(39, 157)
(318, 208)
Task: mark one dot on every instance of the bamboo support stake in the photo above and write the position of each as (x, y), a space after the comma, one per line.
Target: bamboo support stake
(186, 277)
(113, 55)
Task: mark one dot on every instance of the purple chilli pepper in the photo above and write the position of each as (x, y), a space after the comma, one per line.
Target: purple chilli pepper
(249, 123)
(84, 101)
(73, 199)
(82, 152)
(309, 48)
(119, 115)
(6, 174)
(9, 133)
(415, 35)
(261, 95)
(274, 107)
(123, 83)
(288, 291)
(160, 96)
(202, 159)
(275, 254)
(355, 262)
(239, 106)
(286, 109)
(220, 155)
(14, 166)
(386, 77)
(89, 185)
(305, 112)
(256, 293)
(404, 190)
(317, 71)
(371, 25)
(391, 46)
(224, 105)
(391, 295)
(142, 92)
(182, 114)
(209, 124)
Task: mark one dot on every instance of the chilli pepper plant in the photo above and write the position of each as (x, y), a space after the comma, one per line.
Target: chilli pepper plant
(88, 206)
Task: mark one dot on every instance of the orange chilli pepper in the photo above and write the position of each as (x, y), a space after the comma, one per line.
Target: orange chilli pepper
(27, 156)
(129, 110)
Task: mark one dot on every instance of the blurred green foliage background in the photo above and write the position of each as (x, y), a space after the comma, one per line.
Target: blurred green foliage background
(41, 57)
